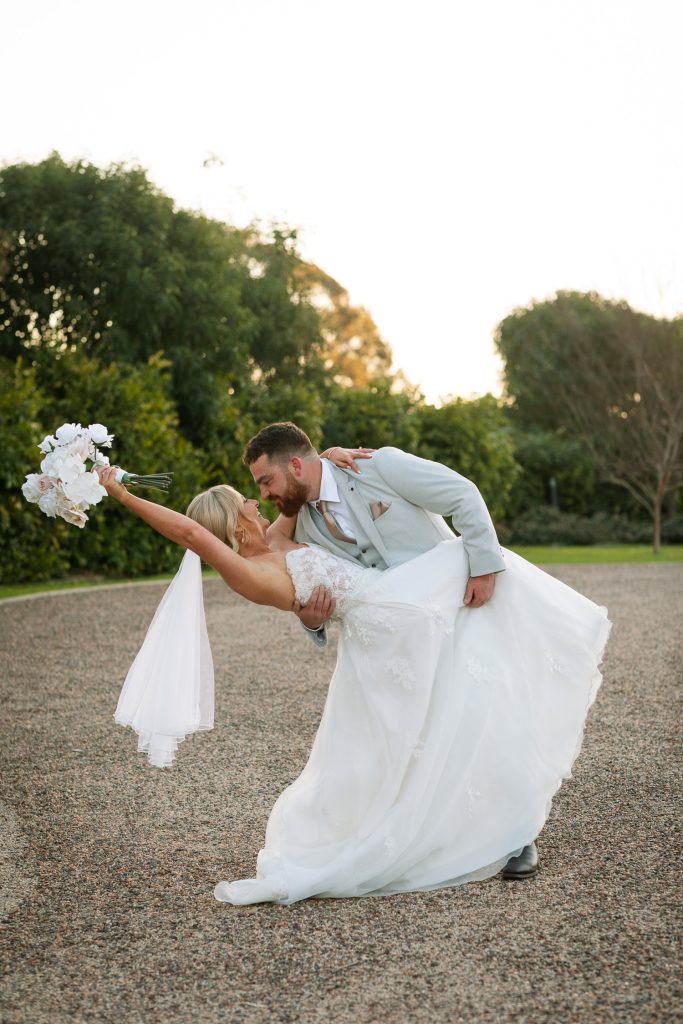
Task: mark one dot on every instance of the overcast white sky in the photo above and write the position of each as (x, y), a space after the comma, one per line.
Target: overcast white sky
(445, 161)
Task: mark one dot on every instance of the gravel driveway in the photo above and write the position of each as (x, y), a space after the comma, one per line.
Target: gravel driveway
(109, 865)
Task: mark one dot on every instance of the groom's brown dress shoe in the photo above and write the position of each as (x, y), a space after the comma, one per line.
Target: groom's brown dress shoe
(523, 866)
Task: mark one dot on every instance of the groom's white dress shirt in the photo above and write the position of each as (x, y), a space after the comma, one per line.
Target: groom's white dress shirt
(336, 503)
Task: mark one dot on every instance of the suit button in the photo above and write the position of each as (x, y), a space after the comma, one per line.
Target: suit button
(373, 566)
(363, 551)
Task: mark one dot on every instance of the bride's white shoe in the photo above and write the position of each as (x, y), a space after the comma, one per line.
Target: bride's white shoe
(248, 890)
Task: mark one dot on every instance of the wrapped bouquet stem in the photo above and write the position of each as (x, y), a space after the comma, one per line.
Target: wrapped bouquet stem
(155, 481)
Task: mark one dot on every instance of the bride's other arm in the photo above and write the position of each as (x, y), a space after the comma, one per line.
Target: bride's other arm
(237, 572)
(280, 534)
(321, 604)
(345, 458)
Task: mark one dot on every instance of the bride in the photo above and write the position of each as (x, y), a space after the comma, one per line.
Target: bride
(446, 730)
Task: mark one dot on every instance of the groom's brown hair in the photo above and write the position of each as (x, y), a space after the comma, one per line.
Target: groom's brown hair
(279, 441)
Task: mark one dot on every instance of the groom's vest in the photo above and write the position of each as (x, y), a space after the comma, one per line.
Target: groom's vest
(397, 503)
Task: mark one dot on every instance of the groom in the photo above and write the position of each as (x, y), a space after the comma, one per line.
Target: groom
(389, 511)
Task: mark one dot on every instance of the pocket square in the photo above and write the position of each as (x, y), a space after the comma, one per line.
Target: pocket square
(378, 508)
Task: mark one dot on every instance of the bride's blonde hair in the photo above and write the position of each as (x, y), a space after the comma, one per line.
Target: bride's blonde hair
(218, 510)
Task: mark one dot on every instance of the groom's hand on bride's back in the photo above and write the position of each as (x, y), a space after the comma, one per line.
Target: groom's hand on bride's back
(319, 609)
(479, 589)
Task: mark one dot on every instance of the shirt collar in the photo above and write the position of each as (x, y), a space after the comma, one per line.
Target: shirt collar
(328, 485)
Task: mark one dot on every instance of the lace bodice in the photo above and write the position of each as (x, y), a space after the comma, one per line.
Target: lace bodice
(314, 566)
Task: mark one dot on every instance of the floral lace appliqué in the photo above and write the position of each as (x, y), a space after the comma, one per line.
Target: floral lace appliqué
(472, 795)
(367, 623)
(480, 673)
(313, 567)
(439, 621)
(553, 664)
(402, 671)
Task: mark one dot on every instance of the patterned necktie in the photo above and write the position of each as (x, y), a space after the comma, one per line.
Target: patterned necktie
(331, 524)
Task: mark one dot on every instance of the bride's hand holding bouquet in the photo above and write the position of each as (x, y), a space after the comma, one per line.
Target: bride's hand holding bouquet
(111, 480)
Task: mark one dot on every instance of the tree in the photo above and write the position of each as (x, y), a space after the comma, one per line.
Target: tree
(285, 333)
(372, 417)
(353, 350)
(610, 376)
(100, 258)
(559, 455)
(473, 438)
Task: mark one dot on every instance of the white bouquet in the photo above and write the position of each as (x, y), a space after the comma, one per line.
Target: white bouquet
(65, 487)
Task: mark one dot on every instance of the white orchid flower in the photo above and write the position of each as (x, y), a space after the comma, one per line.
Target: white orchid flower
(49, 503)
(47, 444)
(35, 485)
(86, 490)
(75, 516)
(99, 435)
(68, 432)
(65, 467)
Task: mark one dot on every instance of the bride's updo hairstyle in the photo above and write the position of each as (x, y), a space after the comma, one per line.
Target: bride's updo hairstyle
(218, 510)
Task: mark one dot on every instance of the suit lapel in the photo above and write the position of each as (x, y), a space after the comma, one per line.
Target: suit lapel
(347, 483)
(307, 521)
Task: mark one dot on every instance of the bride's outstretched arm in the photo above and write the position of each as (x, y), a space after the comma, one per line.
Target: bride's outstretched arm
(240, 576)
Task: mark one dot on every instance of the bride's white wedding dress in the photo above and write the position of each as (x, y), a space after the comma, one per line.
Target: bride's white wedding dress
(446, 730)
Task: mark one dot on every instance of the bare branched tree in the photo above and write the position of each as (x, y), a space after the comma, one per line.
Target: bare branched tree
(622, 393)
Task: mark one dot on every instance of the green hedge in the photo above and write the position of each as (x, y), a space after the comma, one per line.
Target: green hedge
(136, 404)
(548, 525)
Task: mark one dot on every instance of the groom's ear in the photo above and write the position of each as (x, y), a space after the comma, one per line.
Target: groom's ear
(296, 465)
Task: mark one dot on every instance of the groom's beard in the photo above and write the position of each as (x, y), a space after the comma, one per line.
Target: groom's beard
(294, 498)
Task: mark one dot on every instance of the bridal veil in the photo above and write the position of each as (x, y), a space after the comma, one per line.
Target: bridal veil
(169, 690)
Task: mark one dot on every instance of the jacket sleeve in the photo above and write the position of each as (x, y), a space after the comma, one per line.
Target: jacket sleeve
(441, 490)
(318, 636)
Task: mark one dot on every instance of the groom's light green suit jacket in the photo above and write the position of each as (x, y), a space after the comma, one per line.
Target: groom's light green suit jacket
(397, 503)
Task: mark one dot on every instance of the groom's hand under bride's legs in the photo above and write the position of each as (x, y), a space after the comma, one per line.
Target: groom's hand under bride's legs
(319, 609)
(479, 589)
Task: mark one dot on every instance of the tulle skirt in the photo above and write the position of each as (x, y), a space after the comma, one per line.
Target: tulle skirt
(446, 732)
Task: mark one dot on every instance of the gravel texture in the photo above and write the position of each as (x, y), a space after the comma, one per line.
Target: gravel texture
(109, 865)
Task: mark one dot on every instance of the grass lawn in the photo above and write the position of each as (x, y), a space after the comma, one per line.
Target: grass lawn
(21, 589)
(600, 555)
(583, 555)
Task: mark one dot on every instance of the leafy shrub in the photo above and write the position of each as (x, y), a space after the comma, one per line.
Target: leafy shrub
(373, 417)
(547, 525)
(32, 548)
(672, 530)
(135, 405)
(544, 454)
(473, 438)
